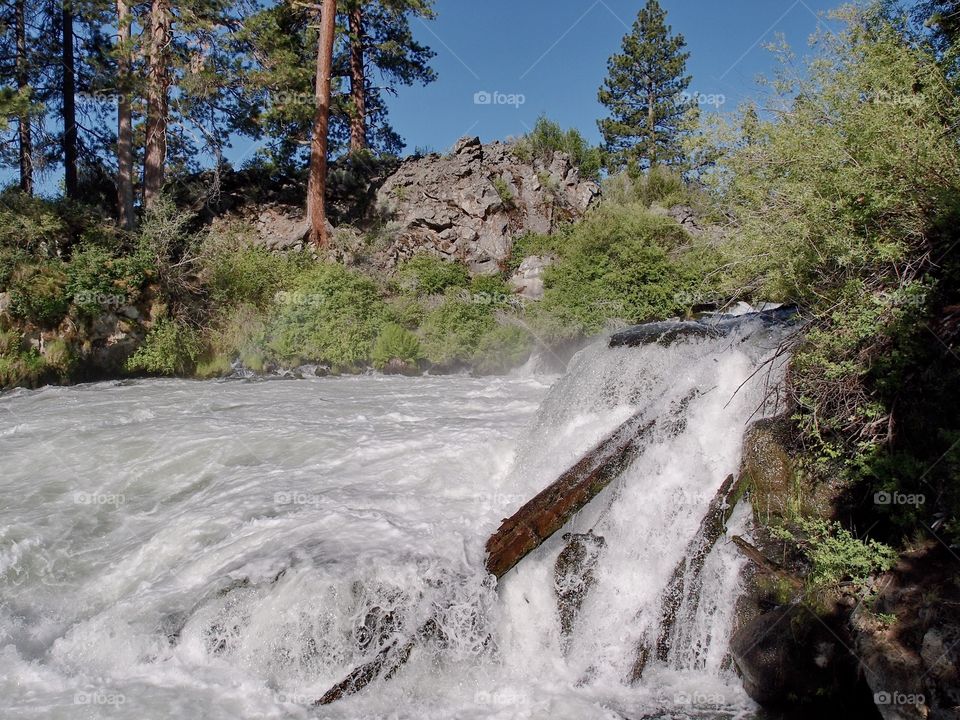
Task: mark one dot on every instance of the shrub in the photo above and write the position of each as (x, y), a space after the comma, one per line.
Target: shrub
(10, 260)
(57, 356)
(408, 312)
(835, 555)
(617, 263)
(24, 369)
(30, 224)
(171, 348)
(451, 333)
(238, 272)
(395, 343)
(501, 349)
(38, 293)
(547, 137)
(330, 315)
(239, 332)
(504, 190)
(426, 274)
(98, 279)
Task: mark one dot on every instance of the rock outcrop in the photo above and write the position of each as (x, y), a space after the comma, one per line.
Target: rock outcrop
(471, 204)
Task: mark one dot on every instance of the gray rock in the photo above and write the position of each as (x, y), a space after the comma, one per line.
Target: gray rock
(527, 281)
(451, 205)
(4, 303)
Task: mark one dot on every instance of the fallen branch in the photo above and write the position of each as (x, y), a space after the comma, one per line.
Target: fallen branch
(767, 565)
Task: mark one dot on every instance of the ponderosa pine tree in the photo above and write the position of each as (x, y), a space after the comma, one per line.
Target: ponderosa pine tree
(317, 186)
(644, 93)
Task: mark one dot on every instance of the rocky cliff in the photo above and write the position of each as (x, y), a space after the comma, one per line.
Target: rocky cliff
(471, 204)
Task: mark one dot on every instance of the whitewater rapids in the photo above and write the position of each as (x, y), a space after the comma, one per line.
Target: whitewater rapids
(181, 549)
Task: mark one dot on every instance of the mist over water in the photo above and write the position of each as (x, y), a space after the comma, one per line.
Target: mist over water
(232, 549)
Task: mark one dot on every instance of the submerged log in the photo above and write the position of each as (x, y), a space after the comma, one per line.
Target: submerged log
(541, 517)
(665, 333)
(695, 555)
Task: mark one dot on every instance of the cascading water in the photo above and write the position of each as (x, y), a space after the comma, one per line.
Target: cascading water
(231, 550)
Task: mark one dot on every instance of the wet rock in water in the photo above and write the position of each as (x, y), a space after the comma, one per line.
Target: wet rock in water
(573, 575)
(768, 469)
(396, 366)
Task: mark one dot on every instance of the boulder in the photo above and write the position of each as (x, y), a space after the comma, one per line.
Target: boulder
(527, 281)
(790, 657)
(767, 468)
(469, 205)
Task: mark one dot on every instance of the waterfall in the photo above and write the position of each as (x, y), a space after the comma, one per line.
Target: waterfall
(237, 548)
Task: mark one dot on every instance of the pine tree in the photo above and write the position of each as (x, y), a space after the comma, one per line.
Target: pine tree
(316, 189)
(645, 94)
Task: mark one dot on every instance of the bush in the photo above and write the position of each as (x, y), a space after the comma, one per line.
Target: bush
(396, 343)
(171, 348)
(237, 272)
(330, 315)
(426, 274)
(98, 279)
(501, 349)
(24, 369)
(835, 555)
(239, 333)
(10, 260)
(38, 293)
(547, 137)
(31, 224)
(619, 262)
(451, 333)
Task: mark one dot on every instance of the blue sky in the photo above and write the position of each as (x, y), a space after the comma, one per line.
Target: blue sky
(554, 54)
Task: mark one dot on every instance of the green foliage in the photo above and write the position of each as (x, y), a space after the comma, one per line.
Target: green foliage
(835, 555)
(330, 314)
(619, 262)
(57, 356)
(396, 343)
(30, 224)
(501, 348)
(38, 293)
(644, 93)
(405, 311)
(658, 186)
(171, 348)
(530, 244)
(100, 280)
(426, 274)
(451, 333)
(504, 190)
(10, 259)
(22, 369)
(238, 272)
(847, 200)
(547, 137)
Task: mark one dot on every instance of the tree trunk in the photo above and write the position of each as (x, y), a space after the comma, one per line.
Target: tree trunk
(317, 187)
(652, 127)
(158, 88)
(124, 120)
(69, 105)
(358, 89)
(23, 81)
